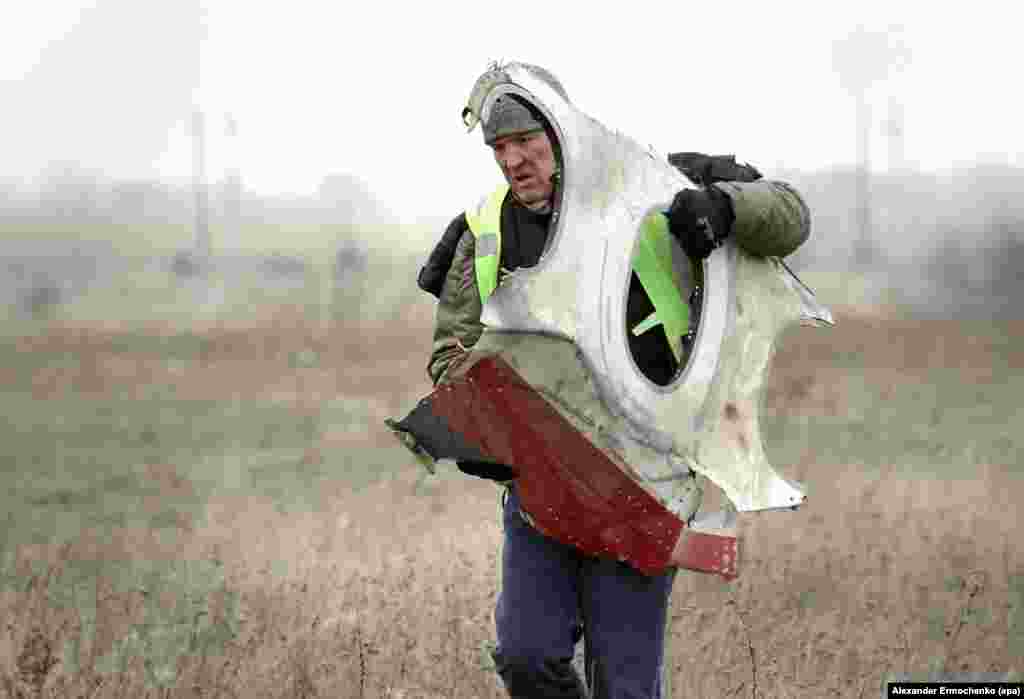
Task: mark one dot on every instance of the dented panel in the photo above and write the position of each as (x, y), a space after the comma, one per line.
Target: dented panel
(605, 459)
(572, 490)
(708, 418)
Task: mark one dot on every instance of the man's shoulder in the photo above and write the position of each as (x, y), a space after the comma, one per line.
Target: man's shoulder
(703, 169)
(432, 274)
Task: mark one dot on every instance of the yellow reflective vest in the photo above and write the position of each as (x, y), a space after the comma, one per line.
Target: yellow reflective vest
(652, 263)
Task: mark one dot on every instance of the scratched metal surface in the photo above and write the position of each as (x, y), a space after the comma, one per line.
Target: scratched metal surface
(554, 368)
(707, 419)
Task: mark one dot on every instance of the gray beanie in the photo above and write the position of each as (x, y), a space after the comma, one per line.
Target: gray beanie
(509, 116)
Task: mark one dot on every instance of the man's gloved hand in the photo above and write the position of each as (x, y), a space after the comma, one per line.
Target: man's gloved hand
(700, 219)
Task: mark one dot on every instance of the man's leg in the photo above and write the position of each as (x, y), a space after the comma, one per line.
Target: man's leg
(537, 613)
(624, 616)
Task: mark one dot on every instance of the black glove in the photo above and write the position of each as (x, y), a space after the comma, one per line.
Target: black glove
(432, 274)
(484, 469)
(700, 219)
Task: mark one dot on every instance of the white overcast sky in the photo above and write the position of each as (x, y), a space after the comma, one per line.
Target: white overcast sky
(375, 88)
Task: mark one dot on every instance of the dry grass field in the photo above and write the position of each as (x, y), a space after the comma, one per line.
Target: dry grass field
(220, 513)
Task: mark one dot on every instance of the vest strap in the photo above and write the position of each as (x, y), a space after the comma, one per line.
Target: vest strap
(652, 263)
(485, 223)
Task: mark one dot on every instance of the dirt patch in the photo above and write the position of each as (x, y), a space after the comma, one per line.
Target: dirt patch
(903, 345)
(294, 362)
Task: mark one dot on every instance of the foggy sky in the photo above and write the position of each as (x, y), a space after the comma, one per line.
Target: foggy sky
(375, 89)
(106, 93)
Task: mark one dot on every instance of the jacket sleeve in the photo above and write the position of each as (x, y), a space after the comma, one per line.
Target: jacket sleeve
(457, 324)
(771, 216)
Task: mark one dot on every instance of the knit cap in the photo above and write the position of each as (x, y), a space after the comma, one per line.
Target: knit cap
(509, 116)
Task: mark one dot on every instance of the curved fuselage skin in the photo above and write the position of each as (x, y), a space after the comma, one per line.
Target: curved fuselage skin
(707, 419)
(551, 381)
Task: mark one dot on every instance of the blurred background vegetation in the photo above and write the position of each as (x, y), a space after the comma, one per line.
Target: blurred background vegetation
(940, 245)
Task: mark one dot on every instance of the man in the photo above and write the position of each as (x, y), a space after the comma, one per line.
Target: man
(551, 592)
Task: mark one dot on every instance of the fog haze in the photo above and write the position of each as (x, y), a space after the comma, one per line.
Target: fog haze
(324, 115)
(106, 92)
(376, 91)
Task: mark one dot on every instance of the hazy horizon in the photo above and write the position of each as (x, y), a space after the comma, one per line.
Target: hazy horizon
(376, 91)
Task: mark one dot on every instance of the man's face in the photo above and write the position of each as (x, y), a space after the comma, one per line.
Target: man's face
(528, 162)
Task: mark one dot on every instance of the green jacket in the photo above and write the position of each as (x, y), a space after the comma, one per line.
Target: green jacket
(763, 209)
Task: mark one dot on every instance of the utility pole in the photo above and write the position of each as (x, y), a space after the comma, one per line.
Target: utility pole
(202, 246)
(864, 250)
(861, 59)
(894, 130)
(232, 187)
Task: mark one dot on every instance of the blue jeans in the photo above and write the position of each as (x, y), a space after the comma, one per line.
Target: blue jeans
(550, 593)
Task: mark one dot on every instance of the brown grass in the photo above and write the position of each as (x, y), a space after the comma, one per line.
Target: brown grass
(389, 591)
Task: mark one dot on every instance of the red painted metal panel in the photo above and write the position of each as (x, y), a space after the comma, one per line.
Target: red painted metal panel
(571, 490)
(709, 553)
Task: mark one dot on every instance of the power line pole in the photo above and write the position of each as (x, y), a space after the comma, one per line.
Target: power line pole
(894, 130)
(202, 245)
(861, 59)
(864, 251)
(232, 187)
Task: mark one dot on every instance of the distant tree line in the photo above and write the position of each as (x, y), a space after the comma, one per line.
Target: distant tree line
(68, 193)
(947, 243)
(39, 272)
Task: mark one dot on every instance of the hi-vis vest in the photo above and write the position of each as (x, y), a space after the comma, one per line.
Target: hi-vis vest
(652, 263)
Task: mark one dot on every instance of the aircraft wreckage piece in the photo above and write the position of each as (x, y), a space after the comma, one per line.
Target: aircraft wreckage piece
(604, 457)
